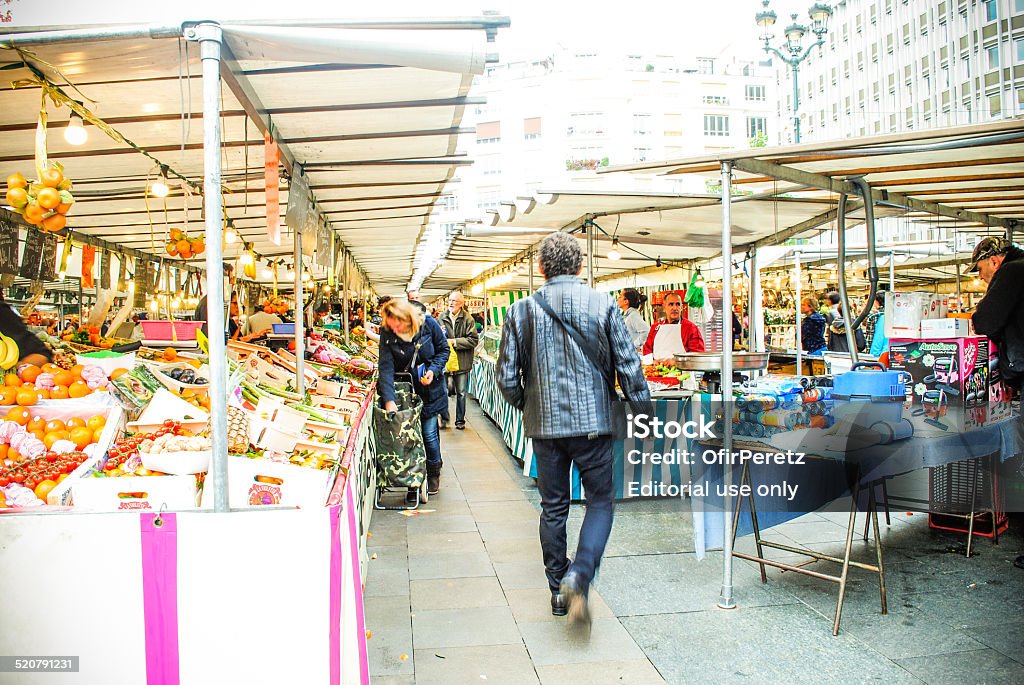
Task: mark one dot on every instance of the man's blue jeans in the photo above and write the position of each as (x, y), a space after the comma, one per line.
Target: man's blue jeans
(593, 458)
(457, 384)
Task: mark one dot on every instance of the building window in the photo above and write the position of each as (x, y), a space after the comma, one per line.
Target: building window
(990, 10)
(1020, 97)
(705, 65)
(889, 44)
(488, 132)
(716, 124)
(1018, 5)
(586, 124)
(640, 154)
(488, 200)
(531, 128)
(906, 34)
(715, 100)
(756, 93)
(756, 126)
(995, 106)
(642, 125)
(450, 203)
(1019, 45)
(924, 24)
(993, 56)
(490, 165)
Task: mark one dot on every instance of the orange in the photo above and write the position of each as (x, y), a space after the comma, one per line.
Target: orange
(96, 422)
(54, 222)
(51, 178)
(44, 393)
(75, 422)
(27, 396)
(97, 434)
(172, 249)
(77, 370)
(43, 489)
(59, 392)
(16, 180)
(30, 373)
(63, 377)
(38, 423)
(81, 437)
(8, 396)
(14, 455)
(50, 368)
(11, 380)
(117, 373)
(170, 354)
(79, 389)
(185, 254)
(38, 434)
(3, 450)
(48, 198)
(33, 214)
(50, 438)
(17, 197)
(64, 207)
(198, 246)
(55, 425)
(19, 415)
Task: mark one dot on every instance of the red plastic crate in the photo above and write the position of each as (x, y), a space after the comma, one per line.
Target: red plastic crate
(949, 496)
(171, 330)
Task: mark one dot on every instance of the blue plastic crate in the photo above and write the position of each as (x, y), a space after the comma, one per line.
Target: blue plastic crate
(284, 329)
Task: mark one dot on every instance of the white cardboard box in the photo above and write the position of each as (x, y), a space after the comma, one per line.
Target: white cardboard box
(946, 328)
(904, 312)
(126, 493)
(261, 482)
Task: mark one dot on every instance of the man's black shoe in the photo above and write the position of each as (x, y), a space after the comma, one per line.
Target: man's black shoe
(575, 592)
(558, 604)
(460, 425)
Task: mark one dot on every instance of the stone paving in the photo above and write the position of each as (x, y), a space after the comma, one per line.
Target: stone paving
(459, 596)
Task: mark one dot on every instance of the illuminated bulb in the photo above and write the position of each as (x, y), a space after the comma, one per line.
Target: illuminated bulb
(231, 236)
(176, 304)
(266, 272)
(247, 259)
(75, 132)
(159, 187)
(153, 306)
(306, 277)
(327, 288)
(614, 254)
(61, 276)
(477, 289)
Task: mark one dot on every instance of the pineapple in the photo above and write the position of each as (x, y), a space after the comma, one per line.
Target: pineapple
(238, 431)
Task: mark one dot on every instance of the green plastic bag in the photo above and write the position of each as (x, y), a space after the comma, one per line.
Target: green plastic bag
(695, 293)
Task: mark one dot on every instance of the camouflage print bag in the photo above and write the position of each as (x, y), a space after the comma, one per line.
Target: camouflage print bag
(401, 458)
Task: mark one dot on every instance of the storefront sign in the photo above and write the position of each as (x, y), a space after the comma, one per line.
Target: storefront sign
(48, 263)
(9, 245)
(32, 256)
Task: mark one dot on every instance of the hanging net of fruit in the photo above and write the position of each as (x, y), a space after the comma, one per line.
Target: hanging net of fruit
(44, 202)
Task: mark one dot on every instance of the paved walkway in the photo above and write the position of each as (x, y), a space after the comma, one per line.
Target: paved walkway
(459, 596)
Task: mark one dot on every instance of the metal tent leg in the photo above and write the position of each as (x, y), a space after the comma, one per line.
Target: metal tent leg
(844, 574)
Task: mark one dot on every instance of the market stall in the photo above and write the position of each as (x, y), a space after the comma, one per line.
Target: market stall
(240, 473)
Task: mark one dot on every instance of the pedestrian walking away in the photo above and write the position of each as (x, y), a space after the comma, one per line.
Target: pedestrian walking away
(413, 343)
(560, 351)
(463, 337)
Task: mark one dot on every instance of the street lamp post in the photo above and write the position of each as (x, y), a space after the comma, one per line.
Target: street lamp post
(819, 14)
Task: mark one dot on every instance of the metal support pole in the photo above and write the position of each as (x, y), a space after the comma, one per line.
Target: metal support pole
(531, 259)
(796, 101)
(590, 254)
(300, 320)
(726, 600)
(892, 271)
(209, 37)
(799, 336)
(755, 312)
(344, 289)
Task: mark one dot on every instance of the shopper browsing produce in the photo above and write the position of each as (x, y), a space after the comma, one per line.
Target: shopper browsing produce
(812, 328)
(1000, 314)
(20, 345)
(413, 343)
(630, 302)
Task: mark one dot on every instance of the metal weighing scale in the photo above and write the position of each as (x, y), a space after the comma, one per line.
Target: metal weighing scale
(710, 363)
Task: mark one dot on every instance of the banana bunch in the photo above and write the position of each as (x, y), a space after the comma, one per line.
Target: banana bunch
(9, 353)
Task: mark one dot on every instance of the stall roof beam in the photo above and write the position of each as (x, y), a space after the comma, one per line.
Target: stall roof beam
(785, 173)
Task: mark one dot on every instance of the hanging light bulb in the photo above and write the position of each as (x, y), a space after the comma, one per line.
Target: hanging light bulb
(477, 289)
(614, 254)
(159, 187)
(306, 277)
(75, 132)
(231, 235)
(247, 259)
(327, 289)
(267, 272)
(153, 306)
(700, 283)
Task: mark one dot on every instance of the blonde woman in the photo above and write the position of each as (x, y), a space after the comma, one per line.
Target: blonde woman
(414, 343)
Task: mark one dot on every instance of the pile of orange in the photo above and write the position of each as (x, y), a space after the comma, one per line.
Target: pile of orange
(18, 388)
(80, 431)
(43, 203)
(179, 245)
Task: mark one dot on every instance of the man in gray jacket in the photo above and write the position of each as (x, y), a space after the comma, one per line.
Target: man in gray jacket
(460, 328)
(562, 381)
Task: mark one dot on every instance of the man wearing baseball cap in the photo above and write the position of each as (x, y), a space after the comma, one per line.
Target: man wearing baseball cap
(1000, 314)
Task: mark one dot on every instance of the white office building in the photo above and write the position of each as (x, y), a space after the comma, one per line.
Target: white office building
(896, 65)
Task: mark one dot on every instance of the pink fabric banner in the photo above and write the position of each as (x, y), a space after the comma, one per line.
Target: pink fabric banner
(357, 581)
(160, 597)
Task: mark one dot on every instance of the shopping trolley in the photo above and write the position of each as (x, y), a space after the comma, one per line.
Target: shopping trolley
(400, 455)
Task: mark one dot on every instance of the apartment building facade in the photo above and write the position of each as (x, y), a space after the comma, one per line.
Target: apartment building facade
(899, 65)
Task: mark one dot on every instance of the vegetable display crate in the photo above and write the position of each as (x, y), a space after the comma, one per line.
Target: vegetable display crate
(949, 495)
